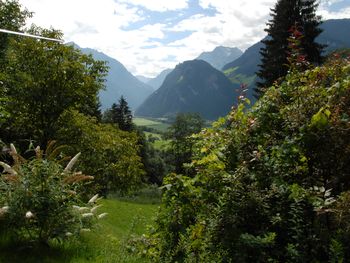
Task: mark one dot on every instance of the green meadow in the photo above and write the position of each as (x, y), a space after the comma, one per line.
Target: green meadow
(106, 243)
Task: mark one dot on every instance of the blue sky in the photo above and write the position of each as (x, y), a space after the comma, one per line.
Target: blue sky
(148, 36)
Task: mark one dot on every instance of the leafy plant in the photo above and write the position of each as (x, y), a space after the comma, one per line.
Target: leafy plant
(271, 183)
(40, 199)
(108, 153)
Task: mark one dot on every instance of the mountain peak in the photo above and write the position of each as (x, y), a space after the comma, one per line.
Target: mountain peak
(193, 86)
(220, 56)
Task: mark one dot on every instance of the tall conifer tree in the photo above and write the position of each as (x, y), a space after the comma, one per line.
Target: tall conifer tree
(120, 114)
(285, 15)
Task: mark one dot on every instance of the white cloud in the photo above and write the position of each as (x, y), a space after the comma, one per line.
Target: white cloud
(101, 25)
(158, 5)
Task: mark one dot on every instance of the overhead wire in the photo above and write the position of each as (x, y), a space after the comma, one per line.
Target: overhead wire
(30, 35)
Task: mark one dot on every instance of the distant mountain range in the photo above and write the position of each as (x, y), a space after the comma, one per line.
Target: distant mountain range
(158, 81)
(220, 56)
(196, 86)
(242, 70)
(193, 86)
(119, 82)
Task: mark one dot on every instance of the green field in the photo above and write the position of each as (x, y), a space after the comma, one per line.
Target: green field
(157, 125)
(107, 243)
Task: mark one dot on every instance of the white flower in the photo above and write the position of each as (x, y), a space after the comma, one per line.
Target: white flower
(3, 210)
(102, 215)
(13, 149)
(93, 199)
(93, 210)
(76, 207)
(85, 230)
(68, 234)
(29, 215)
(83, 209)
(8, 168)
(87, 215)
(72, 162)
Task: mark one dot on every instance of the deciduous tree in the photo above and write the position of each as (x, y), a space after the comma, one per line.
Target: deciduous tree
(43, 79)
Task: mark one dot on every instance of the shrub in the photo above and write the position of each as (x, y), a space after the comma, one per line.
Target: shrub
(40, 198)
(109, 154)
(271, 182)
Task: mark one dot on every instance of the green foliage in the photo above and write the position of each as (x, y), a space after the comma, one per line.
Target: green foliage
(41, 80)
(120, 114)
(271, 183)
(179, 133)
(109, 154)
(285, 15)
(12, 17)
(41, 200)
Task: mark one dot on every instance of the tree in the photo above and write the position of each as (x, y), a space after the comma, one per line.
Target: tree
(180, 132)
(12, 17)
(285, 15)
(42, 80)
(120, 114)
(107, 153)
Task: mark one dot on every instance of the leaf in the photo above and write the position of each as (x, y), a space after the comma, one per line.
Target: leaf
(320, 119)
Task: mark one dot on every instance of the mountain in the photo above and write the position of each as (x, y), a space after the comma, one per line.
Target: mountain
(143, 78)
(242, 70)
(119, 81)
(193, 86)
(335, 34)
(158, 81)
(220, 56)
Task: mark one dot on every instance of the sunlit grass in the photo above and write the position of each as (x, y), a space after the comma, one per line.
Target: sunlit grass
(157, 125)
(107, 243)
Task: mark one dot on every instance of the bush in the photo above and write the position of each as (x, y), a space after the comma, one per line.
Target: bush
(40, 199)
(108, 153)
(271, 183)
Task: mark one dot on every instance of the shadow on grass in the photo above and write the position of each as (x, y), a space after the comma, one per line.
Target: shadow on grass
(150, 194)
(16, 251)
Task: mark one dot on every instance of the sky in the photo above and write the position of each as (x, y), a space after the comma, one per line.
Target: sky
(148, 36)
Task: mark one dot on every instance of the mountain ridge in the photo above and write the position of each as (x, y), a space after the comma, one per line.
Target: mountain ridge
(187, 88)
(119, 82)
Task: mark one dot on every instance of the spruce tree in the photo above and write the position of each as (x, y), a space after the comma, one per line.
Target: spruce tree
(285, 15)
(120, 114)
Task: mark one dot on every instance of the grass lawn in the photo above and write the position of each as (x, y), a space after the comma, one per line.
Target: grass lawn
(105, 244)
(157, 125)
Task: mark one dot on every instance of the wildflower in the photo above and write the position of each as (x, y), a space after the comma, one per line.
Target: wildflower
(72, 162)
(102, 215)
(93, 199)
(85, 230)
(93, 210)
(85, 215)
(3, 210)
(8, 168)
(76, 207)
(13, 149)
(83, 209)
(29, 215)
